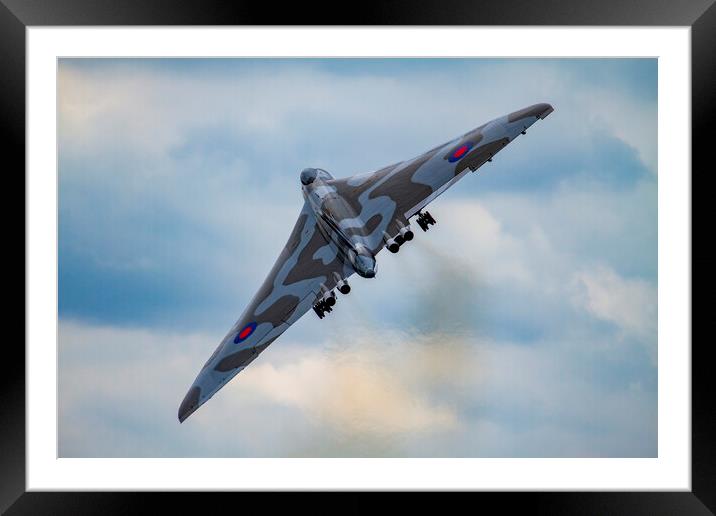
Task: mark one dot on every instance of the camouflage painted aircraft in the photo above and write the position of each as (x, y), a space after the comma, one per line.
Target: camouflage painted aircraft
(343, 225)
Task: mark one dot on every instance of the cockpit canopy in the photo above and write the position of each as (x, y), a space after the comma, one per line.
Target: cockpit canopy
(309, 175)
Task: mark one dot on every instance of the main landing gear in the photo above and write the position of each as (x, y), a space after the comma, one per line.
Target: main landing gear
(322, 308)
(325, 305)
(327, 302)
(425, 220)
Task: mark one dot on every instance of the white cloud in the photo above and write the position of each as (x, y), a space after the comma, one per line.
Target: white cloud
(633, 121)
(126, 120)
(631, 304)
(140, 376)
(477, 237)
(147, 111)
(355, 394)
(453, 382)
(370, 393)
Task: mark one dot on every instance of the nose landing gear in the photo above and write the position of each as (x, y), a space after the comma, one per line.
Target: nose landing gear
(425, 220)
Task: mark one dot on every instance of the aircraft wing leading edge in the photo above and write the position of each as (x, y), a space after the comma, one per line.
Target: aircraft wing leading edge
(397, 192)
(306, 263)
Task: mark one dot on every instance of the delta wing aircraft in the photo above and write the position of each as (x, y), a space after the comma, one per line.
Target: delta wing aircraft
(343, 225)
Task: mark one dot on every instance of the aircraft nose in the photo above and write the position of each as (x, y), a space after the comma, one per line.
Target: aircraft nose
(365, 266)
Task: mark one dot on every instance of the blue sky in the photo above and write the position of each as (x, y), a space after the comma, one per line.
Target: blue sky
(523, 324)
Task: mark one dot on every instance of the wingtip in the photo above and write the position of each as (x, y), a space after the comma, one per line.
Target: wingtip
(189, 404)
(540, 111)
(184, 415)
(548, 108)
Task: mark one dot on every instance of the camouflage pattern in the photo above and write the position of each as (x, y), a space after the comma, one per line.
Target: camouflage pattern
(340, 218)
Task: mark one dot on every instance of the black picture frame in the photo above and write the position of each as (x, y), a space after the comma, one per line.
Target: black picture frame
(17, 15)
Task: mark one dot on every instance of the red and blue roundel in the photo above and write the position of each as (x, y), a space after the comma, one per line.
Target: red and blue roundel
(460, 152)
(245, 332)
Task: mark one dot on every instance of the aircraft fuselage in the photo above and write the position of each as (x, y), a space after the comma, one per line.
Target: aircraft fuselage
(348, 236)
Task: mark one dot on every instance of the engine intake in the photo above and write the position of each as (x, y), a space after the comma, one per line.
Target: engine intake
(406, 233)
(343, 287)
(392, 245)
(329, 299)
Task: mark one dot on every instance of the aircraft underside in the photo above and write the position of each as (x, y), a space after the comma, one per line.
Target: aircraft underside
(343, 224)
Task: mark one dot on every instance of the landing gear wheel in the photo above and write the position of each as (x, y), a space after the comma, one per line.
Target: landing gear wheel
(425, 220)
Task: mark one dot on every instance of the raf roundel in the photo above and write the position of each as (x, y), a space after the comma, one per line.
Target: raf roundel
(459, 152)
(245, 332)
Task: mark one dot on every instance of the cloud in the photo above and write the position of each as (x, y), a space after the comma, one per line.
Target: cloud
(372, 393)
(522, 324)
(634, 122)
(306, 107)
(630, 304)
(357, 391)
(164, 172)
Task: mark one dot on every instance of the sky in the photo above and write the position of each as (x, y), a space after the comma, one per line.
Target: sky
(523, 324)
